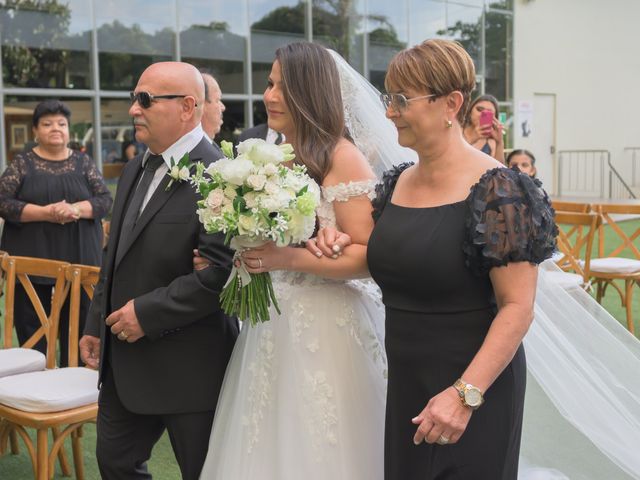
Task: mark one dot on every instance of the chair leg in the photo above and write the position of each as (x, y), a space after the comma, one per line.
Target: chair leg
(42, 458)
(629, 304)
(62, 456)
(76, 437)
(599, 291)
(13, 440)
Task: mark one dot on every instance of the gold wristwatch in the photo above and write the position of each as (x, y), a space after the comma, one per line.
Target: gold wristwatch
(470, 396)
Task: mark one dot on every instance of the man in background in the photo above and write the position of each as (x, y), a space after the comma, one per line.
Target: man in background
(213, 106)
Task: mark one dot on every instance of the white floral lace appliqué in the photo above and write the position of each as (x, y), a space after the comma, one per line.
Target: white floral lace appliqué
(321, 404)
(342, 192)
(262, 378)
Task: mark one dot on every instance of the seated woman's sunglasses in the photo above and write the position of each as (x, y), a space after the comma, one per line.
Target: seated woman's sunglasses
(145, 99)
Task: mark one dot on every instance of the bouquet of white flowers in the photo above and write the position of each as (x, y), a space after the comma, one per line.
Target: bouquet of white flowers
(254, 199)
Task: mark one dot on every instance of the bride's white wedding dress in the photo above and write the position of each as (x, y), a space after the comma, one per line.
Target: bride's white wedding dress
(304, 394)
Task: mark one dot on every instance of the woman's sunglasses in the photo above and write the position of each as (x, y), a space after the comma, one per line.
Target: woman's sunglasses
(145, 99)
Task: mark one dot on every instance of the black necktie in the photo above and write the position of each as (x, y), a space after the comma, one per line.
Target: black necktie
(133, 211)
(278, 139)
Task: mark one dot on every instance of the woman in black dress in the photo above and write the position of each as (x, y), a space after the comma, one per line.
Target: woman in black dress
(455, 251)
(52, 199)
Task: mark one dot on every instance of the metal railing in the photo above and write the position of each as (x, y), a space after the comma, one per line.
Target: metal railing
(633, 154)
(581, 172)
(618, 188)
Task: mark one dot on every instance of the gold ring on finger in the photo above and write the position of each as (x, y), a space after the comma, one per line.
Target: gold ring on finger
(442, 440)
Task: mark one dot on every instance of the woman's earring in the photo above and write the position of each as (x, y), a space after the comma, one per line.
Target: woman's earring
(448, 124)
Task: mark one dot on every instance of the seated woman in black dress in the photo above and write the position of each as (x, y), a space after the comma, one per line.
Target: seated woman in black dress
(52, 199)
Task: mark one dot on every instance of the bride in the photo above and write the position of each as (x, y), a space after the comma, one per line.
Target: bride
(304, 394)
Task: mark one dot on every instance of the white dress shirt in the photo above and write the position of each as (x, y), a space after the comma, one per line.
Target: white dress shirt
(176, 151)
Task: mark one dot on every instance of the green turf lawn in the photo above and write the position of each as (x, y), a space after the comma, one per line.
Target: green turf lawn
(163, 465)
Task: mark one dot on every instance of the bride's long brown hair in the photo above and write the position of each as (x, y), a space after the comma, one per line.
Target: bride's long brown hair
(311, 89)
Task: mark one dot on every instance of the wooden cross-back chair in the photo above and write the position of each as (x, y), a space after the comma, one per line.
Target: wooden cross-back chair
(623, 263)
(575, 207)
(41, 408)
(18, 270)
(570, 207)
(576, 232)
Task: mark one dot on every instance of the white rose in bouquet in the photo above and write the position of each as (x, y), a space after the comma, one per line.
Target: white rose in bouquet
(256, 181)
(215, 200)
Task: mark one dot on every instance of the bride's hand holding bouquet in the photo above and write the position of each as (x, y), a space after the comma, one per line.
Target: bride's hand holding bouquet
(255, 199)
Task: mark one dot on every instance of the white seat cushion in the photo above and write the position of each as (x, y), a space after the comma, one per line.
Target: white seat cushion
(21, 360)
(615, 265)
(565, 279)
(50, 390)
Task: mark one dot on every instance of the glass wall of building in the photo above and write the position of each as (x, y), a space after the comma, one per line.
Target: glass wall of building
(90, 53)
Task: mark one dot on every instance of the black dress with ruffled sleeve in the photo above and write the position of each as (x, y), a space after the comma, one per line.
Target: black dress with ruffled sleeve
(433, 265)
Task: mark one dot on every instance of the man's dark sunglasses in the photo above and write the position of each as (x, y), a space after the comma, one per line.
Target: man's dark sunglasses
(145, 98)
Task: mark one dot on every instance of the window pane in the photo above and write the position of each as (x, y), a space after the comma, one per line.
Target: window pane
(273, 24)
(427, 19)
(501, 4)
(259, 113)
(117, 130)
(450, 21)
(498, 55)
(234, 121)
(339, 25)
(46, 44)
(464, 24)
(387, 27)
(213, 37)
(18, 112)
(130, 42)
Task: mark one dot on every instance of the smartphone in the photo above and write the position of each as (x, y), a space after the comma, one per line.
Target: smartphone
(486, 118)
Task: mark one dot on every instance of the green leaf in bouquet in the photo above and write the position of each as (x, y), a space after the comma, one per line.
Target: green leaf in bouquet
(239, 204)
(303, 190)
(227, 148)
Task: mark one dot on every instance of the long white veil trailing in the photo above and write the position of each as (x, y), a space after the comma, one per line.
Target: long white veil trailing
(582, 411)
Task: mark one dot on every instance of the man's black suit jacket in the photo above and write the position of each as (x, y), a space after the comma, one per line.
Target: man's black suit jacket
(259, 131)
(179, 365)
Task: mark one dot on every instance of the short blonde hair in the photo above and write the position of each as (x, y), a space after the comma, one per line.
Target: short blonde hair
(436, 66)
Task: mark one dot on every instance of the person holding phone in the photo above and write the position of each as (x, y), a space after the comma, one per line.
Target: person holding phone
(482, 129)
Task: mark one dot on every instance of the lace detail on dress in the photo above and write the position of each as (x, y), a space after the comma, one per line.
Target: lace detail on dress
(341, 192)
(23, 163)
(322, 415)
(262, 378)
(510, 220)
(384, 189)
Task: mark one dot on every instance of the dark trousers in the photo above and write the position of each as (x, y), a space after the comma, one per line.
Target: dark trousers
(27, 322)
(126, 439)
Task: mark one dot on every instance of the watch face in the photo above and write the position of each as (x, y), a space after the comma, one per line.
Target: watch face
(473, 397)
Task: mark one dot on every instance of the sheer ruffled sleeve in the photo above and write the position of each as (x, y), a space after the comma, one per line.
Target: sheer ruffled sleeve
(384, 189)
(101, 199)
(510, 220)
(10, 183)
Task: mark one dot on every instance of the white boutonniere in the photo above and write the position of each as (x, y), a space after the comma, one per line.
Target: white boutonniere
(179, 171)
